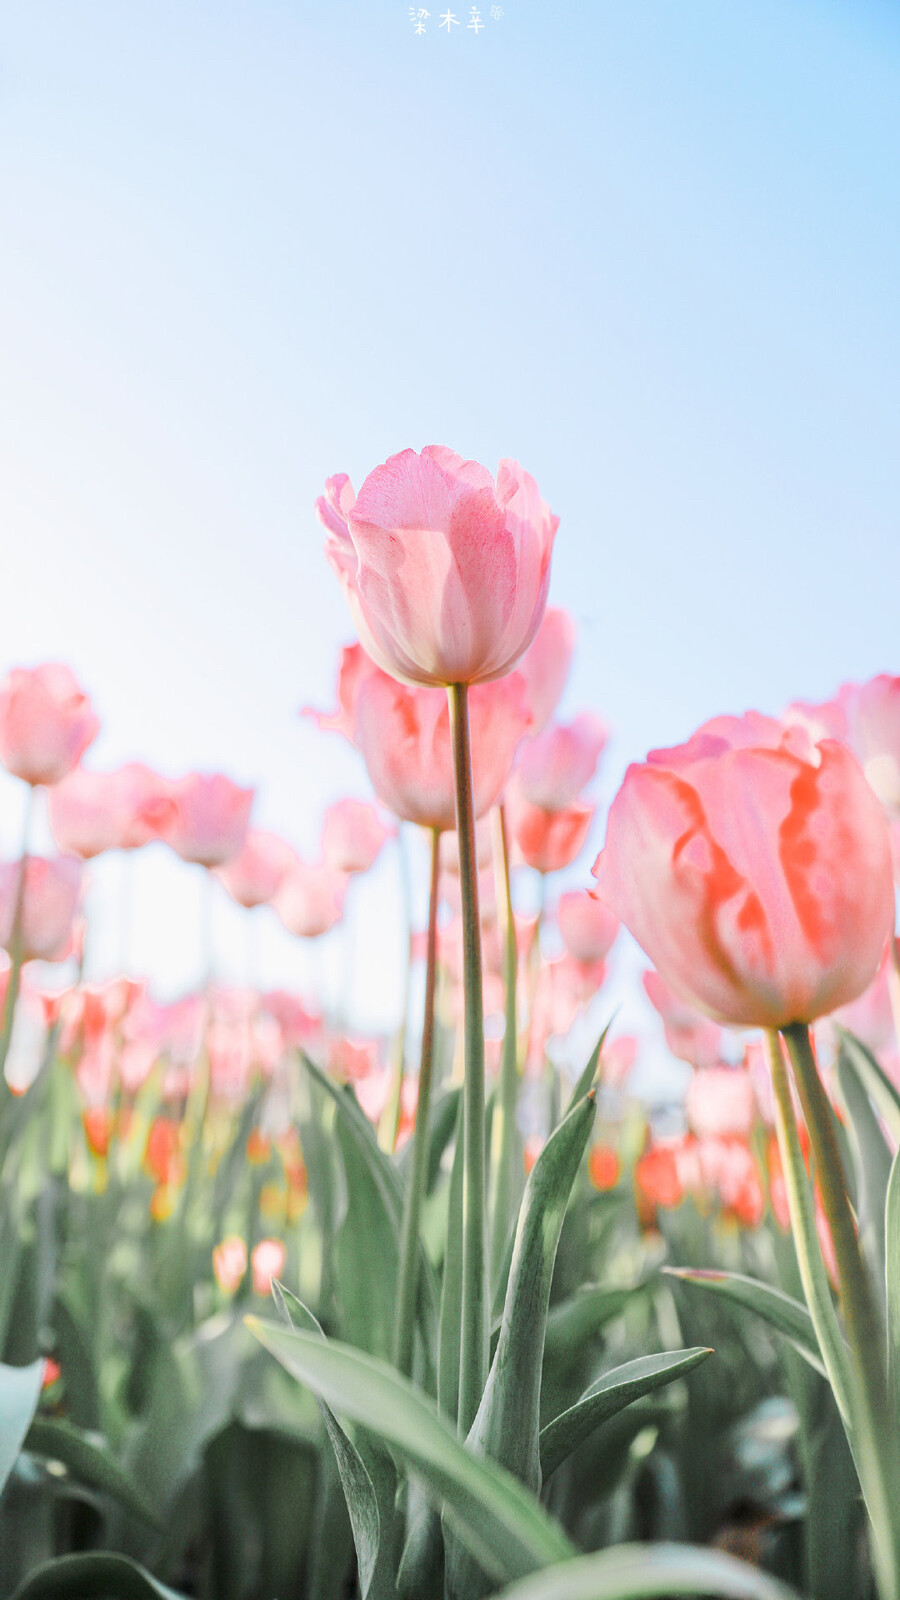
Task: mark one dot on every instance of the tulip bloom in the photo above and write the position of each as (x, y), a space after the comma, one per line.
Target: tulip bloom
(209, 820)
(754, 868)
(311, 899)
(267, 1262)
(229, 1260)
(254, 876)
(690, 1037)
(403, 734)
(867, 718)
(588, 926)
(46, 722)
(545, 665)
(95, 811)
(553, 768)
(352, 835)
(720, 1102)
(354, 667)
(50, 897)
(445, 572)
(546, 840)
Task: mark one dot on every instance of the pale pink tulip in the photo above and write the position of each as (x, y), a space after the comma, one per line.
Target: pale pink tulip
(46, 722)
(50, 899)
(552, 769)
(690, 1036)
(545, 665)
(446, 573)
(210, 819)
(720, 1102)
(588, 926)
(267, 1262)
(756, 877)
(354, 667)
(865, 716)
(254, 876)
(91, 812)
(352, 835)
(547, 840)
(403, 734)
(311, 899)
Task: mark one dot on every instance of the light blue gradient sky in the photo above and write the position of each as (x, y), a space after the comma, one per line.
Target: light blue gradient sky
(650, 248)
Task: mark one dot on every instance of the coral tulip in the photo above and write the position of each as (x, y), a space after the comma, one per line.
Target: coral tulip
(755, 870)
(446, 573)
(547, 840)
(690, 1037)
(46, 722)
(229, 1260)
(267, 1262)
(866, 717)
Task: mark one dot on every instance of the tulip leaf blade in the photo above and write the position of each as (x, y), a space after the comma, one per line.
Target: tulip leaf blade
(783, 1313)
(609, 1395)
(651, 1572)
(505, 1527)
(20, 1391)
(883, 1093)
(589, 1072)
(93, 1576)
(90, 1461)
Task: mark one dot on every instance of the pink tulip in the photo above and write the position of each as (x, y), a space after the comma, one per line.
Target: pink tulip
(46, 722)
(311, 899)
(547, 840)
(446, 573)
(720, 1102)
(617, 1060)
(95, 811)
(545, 665)
(690, 1036)
(267, 1262)
(210, 819)
(756, 877)
(254, 876)
(404, 736)
(229, 1261)
(354, 667)
(588, 926)
(552, 769)
(866, 717)
(352, 835)
(50, 898)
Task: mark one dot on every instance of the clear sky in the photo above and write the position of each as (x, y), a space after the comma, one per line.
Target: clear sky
(649, 247)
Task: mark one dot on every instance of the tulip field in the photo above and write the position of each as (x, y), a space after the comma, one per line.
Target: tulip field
(293, 1312)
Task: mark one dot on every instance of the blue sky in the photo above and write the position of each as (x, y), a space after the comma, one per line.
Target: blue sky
(651, 249)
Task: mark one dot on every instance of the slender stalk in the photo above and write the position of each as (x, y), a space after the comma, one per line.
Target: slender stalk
(389, 1122)
(473, 1358)
(504, 1125)
(15, 942)
(894, 984)
(876, 1435)
(408, 1275)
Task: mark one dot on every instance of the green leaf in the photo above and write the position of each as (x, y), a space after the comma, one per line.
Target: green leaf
(873, 1161)
(93, 1577)
(648, 1571)
(505, 1527)
(364, 1504)
(507, 1425)
(89, 1460)
(610, 1394)
(892, 1275)
(20, 1390)
(582, 1316)
(451, 1288)
(586, 1080)
(874, 1080)
(779, 1310)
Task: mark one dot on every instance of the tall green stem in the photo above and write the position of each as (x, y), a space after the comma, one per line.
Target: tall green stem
(876, 1442)
(408, 1275)
(504, 1124)
(473, 1360)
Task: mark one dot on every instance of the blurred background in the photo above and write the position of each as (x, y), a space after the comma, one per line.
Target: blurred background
(652, 250)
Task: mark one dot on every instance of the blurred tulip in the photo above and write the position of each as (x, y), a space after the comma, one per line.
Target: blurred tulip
(267, 1262)
(353, 669)
(603, 1167)
(546, 840)
(553, 768)
(254, 876)
(446, 573)
(720, 1102)
(352, 835)
(588, 927)
(756, 877)
(229, 1260)
(866, 717)
(545, 665)
(46, 722)
(403, 734)
(50, 897)
(690, 1036)
(311, 898)
(210, 819)
(91, 812)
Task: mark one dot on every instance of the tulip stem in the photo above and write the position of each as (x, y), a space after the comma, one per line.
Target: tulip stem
(473, 1358)
(875, 1443)
(894, 983)
(408, 1274)
(504, 1125)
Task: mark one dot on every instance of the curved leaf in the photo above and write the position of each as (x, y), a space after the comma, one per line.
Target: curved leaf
(93, 1577)
(582, 1315)
(505, 1528)
(778, 1309)
(89, 1460)
(20, 1390)
(874, 1080)
(648, 1571)
(610, 1394)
